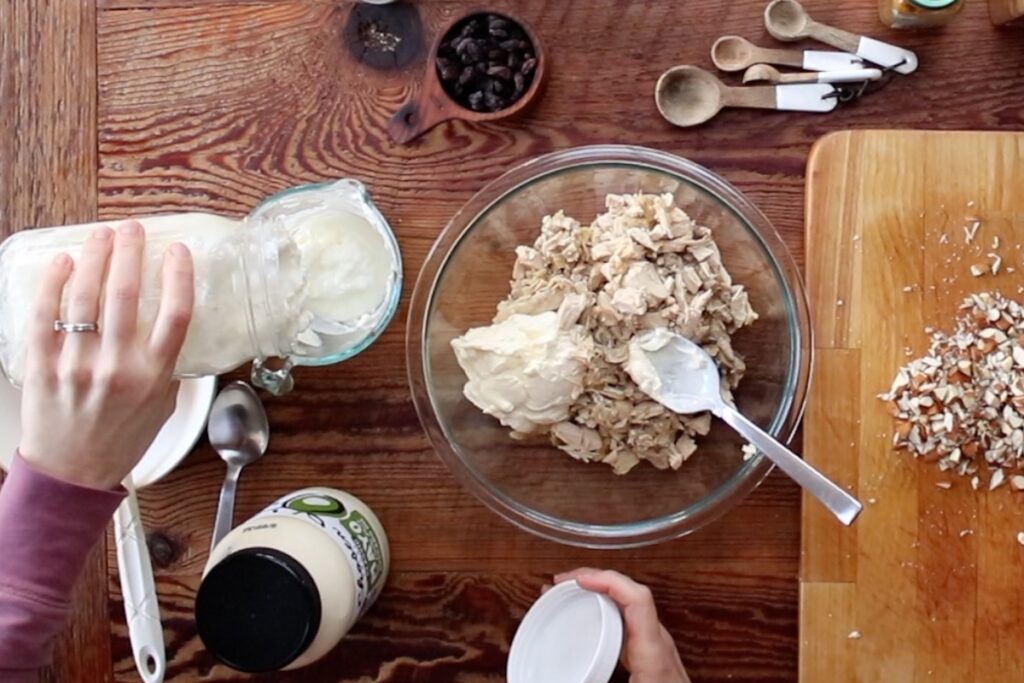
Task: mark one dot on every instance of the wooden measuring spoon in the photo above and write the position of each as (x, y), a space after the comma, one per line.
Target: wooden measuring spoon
(689, 96)
(432, 105)
(733, 53)
(788, 21)
(762, 73)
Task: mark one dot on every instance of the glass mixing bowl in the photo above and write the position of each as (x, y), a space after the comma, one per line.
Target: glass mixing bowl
(535, 485)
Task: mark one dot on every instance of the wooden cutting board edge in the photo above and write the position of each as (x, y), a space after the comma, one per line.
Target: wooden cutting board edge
(825, 578)
(830, 647)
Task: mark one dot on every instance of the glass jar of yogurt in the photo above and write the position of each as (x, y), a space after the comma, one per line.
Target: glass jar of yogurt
(280, 591)
(311, 276)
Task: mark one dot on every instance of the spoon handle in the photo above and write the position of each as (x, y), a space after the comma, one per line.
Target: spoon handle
(813, 97)
(836, 37)
(826, 60)
(226, 506)
(782, 57)
(875, 51)
(844, 506)
(750, 97)
(847, 76)
(141, 608)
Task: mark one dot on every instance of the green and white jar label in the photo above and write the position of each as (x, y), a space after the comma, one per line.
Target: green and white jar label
(350, 528)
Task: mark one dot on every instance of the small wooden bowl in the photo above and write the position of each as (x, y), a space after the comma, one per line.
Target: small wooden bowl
(432, 105)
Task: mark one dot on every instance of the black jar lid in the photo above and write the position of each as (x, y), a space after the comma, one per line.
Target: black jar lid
(258, 610)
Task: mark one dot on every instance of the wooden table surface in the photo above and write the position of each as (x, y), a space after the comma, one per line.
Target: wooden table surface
(110, 108)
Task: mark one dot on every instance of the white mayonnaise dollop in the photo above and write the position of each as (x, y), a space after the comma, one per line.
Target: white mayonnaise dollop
(525, 370)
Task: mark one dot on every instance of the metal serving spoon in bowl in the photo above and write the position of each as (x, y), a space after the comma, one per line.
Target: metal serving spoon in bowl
(682, 377)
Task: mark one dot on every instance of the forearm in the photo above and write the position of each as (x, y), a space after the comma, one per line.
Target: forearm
(47, 528)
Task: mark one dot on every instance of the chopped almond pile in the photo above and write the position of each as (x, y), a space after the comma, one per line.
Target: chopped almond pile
(962, 404)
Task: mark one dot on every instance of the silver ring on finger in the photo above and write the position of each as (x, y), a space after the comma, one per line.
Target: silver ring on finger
(71, 328)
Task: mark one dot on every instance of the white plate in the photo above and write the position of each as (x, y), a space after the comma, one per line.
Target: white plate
(175, 440)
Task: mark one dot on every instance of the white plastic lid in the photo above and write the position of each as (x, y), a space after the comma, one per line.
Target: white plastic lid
(570, 635)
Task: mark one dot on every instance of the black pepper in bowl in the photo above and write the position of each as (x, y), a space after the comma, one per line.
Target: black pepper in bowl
(486, 62)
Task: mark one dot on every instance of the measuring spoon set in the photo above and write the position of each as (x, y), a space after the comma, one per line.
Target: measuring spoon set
(689, 96)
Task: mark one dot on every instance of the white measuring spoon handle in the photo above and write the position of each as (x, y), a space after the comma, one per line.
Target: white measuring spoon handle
(816, 97)
(844, 506)
(874, 51)
(884, 54)
(847, 76)
(823, 60)
(141, 608)
(850, 76)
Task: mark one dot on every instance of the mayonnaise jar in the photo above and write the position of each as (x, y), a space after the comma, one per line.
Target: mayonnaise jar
(281, 590)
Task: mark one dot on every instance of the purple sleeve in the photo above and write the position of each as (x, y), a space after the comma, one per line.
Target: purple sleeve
(47, 528)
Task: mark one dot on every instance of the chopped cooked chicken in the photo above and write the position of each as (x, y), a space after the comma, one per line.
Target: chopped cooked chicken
(642, 264)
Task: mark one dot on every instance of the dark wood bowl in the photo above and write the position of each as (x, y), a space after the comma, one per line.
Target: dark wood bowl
(432, 105)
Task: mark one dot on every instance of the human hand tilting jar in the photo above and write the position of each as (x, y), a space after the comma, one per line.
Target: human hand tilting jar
(96, 390)
(648, 653)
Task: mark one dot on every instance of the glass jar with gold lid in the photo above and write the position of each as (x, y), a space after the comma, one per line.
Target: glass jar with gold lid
(918, 13)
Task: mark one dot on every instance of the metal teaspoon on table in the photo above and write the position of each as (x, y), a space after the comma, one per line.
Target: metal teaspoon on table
(238, 430)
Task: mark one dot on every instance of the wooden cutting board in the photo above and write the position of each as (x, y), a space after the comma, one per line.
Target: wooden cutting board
(928, 585)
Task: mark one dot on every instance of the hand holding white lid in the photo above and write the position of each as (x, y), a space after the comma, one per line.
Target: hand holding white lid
(649, 652)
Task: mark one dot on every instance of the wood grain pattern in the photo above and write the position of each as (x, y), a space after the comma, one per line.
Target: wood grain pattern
(929, 577)
(47, 113)
(48, 162)
(212, 104)
(456, 626)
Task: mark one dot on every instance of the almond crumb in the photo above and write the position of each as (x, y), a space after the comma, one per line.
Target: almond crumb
(854, 635)
(961, 404)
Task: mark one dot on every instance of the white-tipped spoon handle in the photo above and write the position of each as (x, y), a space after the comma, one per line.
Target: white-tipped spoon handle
(815, 97)
(844, 506)
(141, 608)
(850, 76)
(824, 60)
(890, 56)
